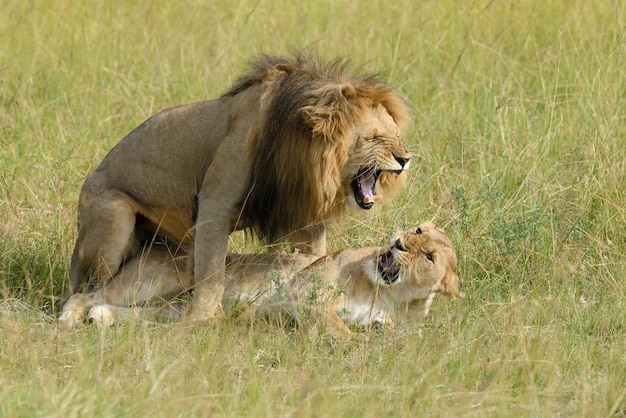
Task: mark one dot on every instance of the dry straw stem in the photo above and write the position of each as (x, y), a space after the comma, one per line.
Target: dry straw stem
(519, 141)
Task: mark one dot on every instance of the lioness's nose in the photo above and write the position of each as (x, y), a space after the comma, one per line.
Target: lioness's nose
(402, 160)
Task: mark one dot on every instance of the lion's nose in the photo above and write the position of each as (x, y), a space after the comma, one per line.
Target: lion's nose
(402, 160)
(398, 245)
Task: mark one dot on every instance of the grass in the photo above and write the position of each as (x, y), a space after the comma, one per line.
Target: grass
(518, 135)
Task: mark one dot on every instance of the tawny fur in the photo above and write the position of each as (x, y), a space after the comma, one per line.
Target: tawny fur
(277, 154)
(352, 286)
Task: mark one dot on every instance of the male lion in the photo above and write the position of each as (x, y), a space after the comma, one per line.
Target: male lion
(290, 146)
(364, 286)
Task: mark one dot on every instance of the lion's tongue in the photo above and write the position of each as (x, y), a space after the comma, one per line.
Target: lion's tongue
(367, 182)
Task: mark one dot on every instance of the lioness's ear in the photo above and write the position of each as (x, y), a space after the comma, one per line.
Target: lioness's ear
(452, 286)
(332, 111)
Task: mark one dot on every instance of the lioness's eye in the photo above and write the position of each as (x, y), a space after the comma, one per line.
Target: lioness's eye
(429, 256)
(418, 231)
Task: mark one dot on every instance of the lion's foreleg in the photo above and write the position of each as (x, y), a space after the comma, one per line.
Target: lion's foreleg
(210, 282)
(219, 206)
(209, 259)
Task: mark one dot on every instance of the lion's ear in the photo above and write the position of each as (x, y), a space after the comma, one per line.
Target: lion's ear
(332, 111)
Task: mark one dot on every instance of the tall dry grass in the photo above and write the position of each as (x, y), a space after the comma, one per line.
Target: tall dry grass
(519, 140)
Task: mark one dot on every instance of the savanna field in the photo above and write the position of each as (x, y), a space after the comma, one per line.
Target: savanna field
(519, 143)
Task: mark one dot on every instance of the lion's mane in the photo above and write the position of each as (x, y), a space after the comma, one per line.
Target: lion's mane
(304, 142)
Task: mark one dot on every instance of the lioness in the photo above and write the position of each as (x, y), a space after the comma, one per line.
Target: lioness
(291, 145)
(152, 279)
(364, 286)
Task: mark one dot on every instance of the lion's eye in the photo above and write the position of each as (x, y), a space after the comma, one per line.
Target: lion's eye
(429, 257)
(418, 231)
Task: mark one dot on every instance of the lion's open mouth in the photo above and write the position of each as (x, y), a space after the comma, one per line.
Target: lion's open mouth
(364, 187)
(389, 271)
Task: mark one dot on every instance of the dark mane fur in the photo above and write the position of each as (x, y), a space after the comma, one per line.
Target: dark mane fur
(295, 176)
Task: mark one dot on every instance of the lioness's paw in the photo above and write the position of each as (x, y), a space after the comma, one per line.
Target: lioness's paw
(101, 315)
(198, 315)
(70, 318)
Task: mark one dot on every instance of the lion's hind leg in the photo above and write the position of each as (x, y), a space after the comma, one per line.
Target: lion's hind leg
(106, 236)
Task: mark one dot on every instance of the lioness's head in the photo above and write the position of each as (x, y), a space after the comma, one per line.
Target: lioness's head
(422, 261)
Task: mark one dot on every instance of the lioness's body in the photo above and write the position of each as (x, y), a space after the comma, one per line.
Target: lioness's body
(373, 285)
(364, 286)
(152, 279)
(285, 149)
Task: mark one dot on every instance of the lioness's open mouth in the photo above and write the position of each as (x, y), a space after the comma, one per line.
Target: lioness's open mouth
(389, 271)
(364, 187)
